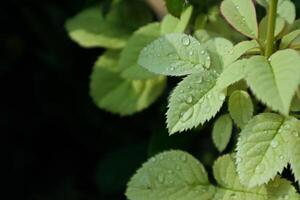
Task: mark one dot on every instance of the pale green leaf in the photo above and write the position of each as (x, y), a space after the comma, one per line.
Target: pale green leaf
(295, 106)
(115, 94)
(90, 29)
(218, 48)
(238, 50)
(240, 107)
(263, 148)
(281, 189)
(229, 184)
(168, 24)
(175, 54)
(294, 150)
(262, 29)
(171, 24)
(290, 40)
(129, 55)
(232, 74)
(194, 101)
(241, 15)
(222, 132)
(172, 175)
(275, 81)
(200, 21)
(285, 9)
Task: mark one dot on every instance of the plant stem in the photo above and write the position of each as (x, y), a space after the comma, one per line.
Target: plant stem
(271, 27)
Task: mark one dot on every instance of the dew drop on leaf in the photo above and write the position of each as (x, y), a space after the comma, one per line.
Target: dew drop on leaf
(178, 167)
(295, 133)
(274, 143)
(189, 99)
(183, 158)
(160, 178)
(186, 41)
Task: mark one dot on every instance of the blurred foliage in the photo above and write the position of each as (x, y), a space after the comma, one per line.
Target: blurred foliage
(59, 143)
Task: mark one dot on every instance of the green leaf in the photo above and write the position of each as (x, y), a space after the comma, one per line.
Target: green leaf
(240, 107)
(194, 101)
(229, 184)
(275, 81)
(294, 151)
(285, 9)
(222, 132)
(218, 48)
(175, 7)
(263, 148)
(172, 175)
(115, 94)
(295, 106)
(238, 50)
(241, 15)
(129, 55)
(291, 40)
(280, 189)
(232, 74)
(263, 28)
(174, 54)
(171, 24)
(90, 29)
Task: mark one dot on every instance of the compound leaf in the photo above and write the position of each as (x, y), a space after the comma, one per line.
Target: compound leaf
(222, 132)
(240, 107)
(174, 54)
(241, 15)
(275, 81)
(172, 175)
(115, 94)
(263, 148)
(129, 55)
(229, 184)
(194, 101)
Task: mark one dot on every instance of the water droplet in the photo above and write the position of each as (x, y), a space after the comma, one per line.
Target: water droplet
(191, 53)
(186, 115)
(285, 197)
(183, 158)
(161, 157)
(233, 195)
(238, 160)
(222, 97)
(189, 99)
(170, 171)
(296, 133)
(202, 52)
(281, 157)
(178, 167)
(181, 91)
(186, 41)
(237, 7)
(172, 68)
(287, 126)
(199, 81)
(161, 178)
(153, 159)
(259, 169)
(189, 87)
(274, 143)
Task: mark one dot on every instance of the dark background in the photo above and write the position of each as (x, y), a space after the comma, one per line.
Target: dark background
(59, 144)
